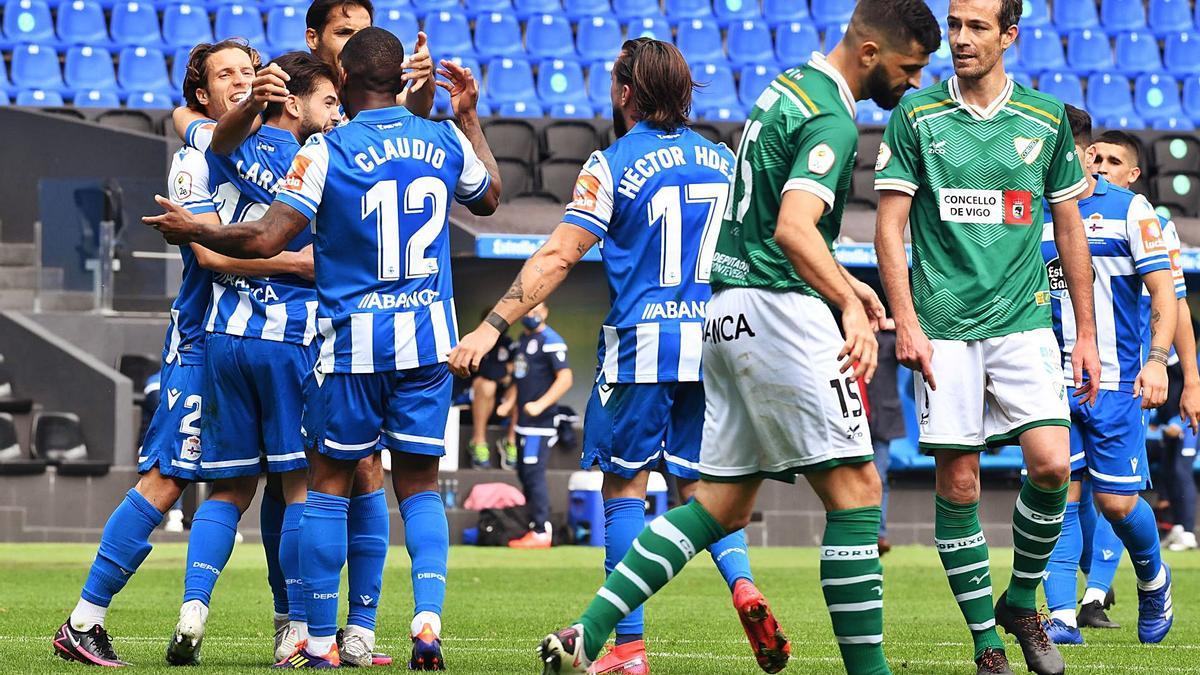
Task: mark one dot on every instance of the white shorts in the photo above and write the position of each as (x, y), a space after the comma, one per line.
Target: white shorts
(775, 403)
(991, 391)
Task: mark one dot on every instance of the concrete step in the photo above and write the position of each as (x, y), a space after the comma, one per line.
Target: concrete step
(12, 277)
(17, 254)
(16, 299)
(66, 301)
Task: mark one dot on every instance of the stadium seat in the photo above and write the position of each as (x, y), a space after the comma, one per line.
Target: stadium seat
(560, 81)
(940, 59)
(1122, 15)
(862, 189)
(833, 35)
(1075, 14)
(477, 7)
(1137, 53)
(1182, 190)
(15, 461)
(826, 13)
(870, 114)
(441, 98)
(512, 140)
(1129, 121)
(716, 87)
(138, 368)
(1169, 16)
(794, 43)
(1041, 49)
(579, 110)
(749, 42)
(753, 80)
(868, 148)
(422, 6)
(729, 11)
(242, 21)
(38, 97)
(1172, 124)
(1088, 51)
(5, 85)
(185, 25)
(130, 120)
(517, 178)
(649, 26)
(135, 22)
(1156, 96)
(449, 31)
(569, 141)
(401, 22)
(1034, 14)
(81, 22)
(598, 38)
(150, 100)
(89, 68)
(777, 12)
(1181, 54)
(1063, 85)
(285, 29)
(527, 9)
(1109, 93)
(96, 98)
(57, 437)
(940, 10)
(634, 9)
(521, 109)
(548, 36)
(700, 41)
(1191, 97)
(558, 177)
(36, 67)
(680, 10)
(599, 84)
(509, 80)
(497, 34)
(734, 113)
(142, 69)
(28, 21)
(1019, 77)
(179, 68)
(579, 10)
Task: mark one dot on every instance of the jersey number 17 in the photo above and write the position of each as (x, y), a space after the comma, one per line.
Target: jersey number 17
(667, 206)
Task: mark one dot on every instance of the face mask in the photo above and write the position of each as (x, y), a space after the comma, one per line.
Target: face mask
(531, 322)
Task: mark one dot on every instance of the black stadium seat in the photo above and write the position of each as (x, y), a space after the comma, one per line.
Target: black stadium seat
(1176, 154)
(516, 178)
(1181, 190)
(558, 178)
(862, 188)
(138, 368)
(10, 401)
(868, 148)
(13, 460)
(708, 131)
(569, 140)
(58, 439)
(130, 120)
(512, 139)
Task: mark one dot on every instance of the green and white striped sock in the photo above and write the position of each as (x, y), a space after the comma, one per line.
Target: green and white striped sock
(1037, 522)
(852, 582)
(964, 553)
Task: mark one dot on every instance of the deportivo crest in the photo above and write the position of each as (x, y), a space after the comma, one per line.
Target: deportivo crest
(821, 159)
(885, 156)
(1028, 149)
(189, 450)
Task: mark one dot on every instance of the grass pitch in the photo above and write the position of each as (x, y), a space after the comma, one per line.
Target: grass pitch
(501, 602)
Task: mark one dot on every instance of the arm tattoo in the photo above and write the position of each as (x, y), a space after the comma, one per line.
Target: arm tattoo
(1155, 315)
(516, 291)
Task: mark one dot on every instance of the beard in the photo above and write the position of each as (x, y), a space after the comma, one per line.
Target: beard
(620, 128)
(308, 128)
(879, 91)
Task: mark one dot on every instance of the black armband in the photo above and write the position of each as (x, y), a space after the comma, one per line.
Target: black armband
(496, 321)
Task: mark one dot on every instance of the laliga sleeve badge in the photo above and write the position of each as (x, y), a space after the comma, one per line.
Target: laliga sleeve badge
(885, 156)
(821, 159)
(182, 186)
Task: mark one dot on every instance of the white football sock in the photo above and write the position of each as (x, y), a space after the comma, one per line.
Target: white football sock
(1067, 616)
(422, 618)
(320, 646)
(1157, 582)
(86, 614)
(195, 604)
(1093, 595)
(301, 628)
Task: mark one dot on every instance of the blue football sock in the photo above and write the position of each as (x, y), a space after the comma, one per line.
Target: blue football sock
(1139, 532)
(289, 561)
(1087, 525)
(270, 524)
(124, 544)
(324, 528)
(368, 544)
(427, 538)
(209, 546)
(1106, 556)
(732, 557)
(624, 520)
(1064, 561)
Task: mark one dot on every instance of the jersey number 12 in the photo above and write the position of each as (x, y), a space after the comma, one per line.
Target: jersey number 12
(383, 201)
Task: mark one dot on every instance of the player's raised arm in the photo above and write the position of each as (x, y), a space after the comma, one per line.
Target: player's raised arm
(464, 95)
(243, 119)
(263, 238)
(417, 97)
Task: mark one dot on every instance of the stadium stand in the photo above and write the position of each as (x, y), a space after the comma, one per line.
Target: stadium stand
(1176, 154)
(185, 25)
(1169, 16)
(598, 38)
(81, 22)
(548, 36)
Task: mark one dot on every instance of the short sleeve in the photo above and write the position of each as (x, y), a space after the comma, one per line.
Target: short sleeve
(556, 353)
(199, 134)
(1146, 242)
(305, 180)
(898, 164)
(188, 181)
(475, 180)
(1064, 179)
(824, 146)
(1171, 239)
(591, 204)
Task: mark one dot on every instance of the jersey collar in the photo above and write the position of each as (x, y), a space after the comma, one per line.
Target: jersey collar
(817, 62)
(276, 134)
(387, 114)
(992, 108)
(1101, 184)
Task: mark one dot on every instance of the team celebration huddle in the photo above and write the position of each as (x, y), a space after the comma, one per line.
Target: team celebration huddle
(1042, 302)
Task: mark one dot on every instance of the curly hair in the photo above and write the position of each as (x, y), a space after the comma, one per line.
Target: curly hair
(196, 76)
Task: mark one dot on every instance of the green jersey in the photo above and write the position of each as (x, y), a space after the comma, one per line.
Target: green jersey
(800, 136)
(977, 179)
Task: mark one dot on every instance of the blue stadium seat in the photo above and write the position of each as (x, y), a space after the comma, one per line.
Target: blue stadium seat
(38, 97)
(5, 85)
(681, 10)
(754, 79)
(520, 109)
(497, 34)
(784, 11)
(548, 36)
(399, 21)
(150, 100)
(700, 41)
(1012, 58)
(1169, 16)
(81, 22)
(650, 26)
(1191, 97)
(560, 81)
(285, 29)
(441, 99)
(185, 25)
(1088, 51)
(1034, 14)
(578, 10)
(242, 21)
(1129, 121)
(1020, 77)
(179, 68)
(869, 114)
(509, 80)
(422, 6)
(1122, 15)
(135, 23)
(527, 9)
(36, 67)
(939, 8)
(579, 110)
(1172, 124)
(749, 42)
(1181, 54)
(1156, 96)
(599, 84)
(634, 9)
(4, 99)
(1063, 85)
(716, 87)
(142, 69)
(449, 31)
(829, 12)
(1075, 14)
(941, 58)
(1137, 53)
(733, 113)
(28, 21)
(1041, 49)
(96, 98)
(598, 37)
(1109, 94)
(728, 11)
(89, 68)
(833, 35)
(477, 7)
(795, 42)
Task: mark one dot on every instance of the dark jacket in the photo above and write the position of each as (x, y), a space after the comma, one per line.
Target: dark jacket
(886, 416)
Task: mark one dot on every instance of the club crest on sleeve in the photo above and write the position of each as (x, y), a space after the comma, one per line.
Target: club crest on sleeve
(821, 159)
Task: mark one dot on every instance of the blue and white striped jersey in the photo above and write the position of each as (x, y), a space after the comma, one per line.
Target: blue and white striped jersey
(188, 187)
(278, 308)
(1126, 242)
(378, 190)
(655, 199)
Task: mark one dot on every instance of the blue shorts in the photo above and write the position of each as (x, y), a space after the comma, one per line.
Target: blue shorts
(172, 440)
(253, 403)
(1108, 440)
(628, 428)
(354, 415)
